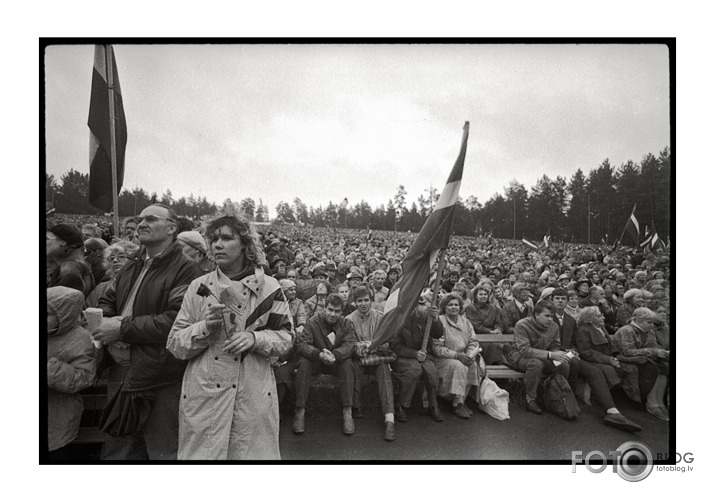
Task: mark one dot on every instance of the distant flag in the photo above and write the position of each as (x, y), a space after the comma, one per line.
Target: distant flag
(529, 244)
(422, 255)
(647, 244)
(656, 242)
(632, 227)
(547, 238)
(105, 76)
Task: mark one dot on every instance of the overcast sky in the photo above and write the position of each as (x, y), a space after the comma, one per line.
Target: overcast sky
(325, 122)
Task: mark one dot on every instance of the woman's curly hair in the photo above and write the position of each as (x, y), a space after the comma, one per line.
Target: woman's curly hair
(252, 248)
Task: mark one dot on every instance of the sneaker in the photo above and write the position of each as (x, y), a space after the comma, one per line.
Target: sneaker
(621, 422)
(299, 424)
(401, 414)
(389, 431)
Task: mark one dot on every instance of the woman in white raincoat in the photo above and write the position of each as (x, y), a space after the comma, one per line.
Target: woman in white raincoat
(231, 323)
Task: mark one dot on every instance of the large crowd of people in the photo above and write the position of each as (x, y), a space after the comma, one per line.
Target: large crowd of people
(208, 326)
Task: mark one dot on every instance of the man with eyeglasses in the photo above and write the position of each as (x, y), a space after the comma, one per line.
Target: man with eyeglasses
(144, 383)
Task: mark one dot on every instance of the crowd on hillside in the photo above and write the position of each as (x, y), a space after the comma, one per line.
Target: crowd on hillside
(189, 309)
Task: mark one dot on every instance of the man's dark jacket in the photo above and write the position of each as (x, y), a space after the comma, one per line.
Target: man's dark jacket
(156, 305)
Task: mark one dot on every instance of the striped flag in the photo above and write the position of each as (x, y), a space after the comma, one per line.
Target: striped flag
(423, 254)
(646, 244)
(632, 227)
(529, 244)
(547, 239)
(100, 130)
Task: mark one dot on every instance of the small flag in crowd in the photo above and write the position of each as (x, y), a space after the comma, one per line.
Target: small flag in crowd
(652, 241)
(632, 227)
(529, 244)
(104, 78)
(423, 254)
(547, 238)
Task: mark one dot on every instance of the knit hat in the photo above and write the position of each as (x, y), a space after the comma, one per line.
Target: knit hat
(546, 292)
(286, 284)
(69, 234)
(194, 239)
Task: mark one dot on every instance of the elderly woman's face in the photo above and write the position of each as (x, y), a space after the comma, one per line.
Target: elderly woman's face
(116, 259)
(452, 308)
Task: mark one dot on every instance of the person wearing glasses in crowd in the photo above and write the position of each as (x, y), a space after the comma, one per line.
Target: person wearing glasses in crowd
(115, 256)
(141, 418)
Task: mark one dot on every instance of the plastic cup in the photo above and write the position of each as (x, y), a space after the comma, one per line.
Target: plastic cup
(94, 317)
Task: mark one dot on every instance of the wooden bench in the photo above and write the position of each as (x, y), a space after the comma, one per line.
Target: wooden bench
(500, 371)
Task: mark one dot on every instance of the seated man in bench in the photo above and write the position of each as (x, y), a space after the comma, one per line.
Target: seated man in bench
(326, 346)
(536, 349)
(365, 320)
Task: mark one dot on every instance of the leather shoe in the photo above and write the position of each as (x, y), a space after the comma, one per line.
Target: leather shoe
(358, 413)
(348, 425)
(621, 422)
(436, 414)
(299, 424)
(389, 431)
(659, 413)
(401, 414)
(460, 411)
(533, 407)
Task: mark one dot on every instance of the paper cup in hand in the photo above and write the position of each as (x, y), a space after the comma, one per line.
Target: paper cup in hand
(94, 320)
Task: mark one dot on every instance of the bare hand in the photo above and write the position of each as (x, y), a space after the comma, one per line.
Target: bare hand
(615, 363)
(421, 356)
(559, 356)
(463, 359)
(108, 331)
(214, 318)
(327, 357)
(434, 312)
(239, 342)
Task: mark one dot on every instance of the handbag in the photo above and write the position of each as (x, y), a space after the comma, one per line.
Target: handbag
(493, 400)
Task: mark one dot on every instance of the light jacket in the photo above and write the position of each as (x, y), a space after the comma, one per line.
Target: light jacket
(70, 366)
(229, 404)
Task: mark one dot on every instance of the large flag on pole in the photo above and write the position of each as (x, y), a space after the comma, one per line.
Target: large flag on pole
(423, 254)
(104, 79)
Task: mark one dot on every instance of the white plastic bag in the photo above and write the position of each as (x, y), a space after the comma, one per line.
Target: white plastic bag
(493, 400)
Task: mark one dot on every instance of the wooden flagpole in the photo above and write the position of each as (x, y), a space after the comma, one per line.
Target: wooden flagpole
(112, 136)
(428, 325)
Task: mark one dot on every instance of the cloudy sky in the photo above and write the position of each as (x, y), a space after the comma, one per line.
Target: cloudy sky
(325, 122)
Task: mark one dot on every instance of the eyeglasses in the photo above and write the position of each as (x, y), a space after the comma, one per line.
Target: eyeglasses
(153, 218)
(112, 258)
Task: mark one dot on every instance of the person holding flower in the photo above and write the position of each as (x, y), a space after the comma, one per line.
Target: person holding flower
(231, 322)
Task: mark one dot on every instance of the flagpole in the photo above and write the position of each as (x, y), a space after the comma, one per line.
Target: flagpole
(428, 325)
(112, 136)
(624, 227)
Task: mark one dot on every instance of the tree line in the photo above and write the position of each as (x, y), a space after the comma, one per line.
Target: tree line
(587, 208)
